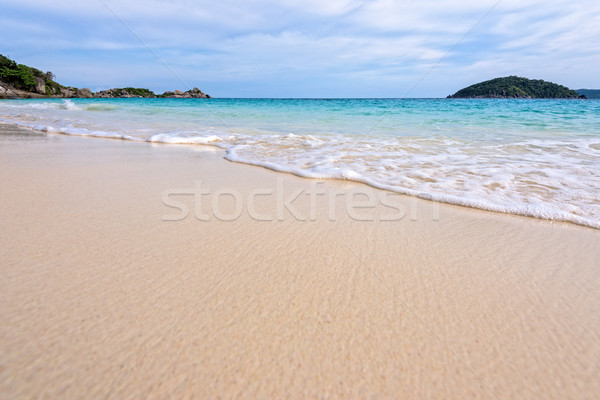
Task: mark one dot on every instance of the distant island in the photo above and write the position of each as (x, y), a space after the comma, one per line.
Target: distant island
(18, 81)
(515, 87)
(589, 93)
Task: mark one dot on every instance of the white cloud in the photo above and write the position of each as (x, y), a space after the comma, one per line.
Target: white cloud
(341, 42)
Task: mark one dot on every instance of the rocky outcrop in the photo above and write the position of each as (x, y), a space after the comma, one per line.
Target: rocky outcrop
(128, 92)
(195, 93)
(589, 93)
(21, 81)
(67, 92)
(40, 91)
(40, 85)
(9, 92)
(84, 93)
(198, 94)
(103, 94)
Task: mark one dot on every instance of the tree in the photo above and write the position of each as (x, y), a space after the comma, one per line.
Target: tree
(20, 77)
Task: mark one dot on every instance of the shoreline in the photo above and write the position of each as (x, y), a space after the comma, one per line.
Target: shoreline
(109, 293)
(438, 198)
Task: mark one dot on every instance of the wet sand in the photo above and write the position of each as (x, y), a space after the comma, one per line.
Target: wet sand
(318, 289)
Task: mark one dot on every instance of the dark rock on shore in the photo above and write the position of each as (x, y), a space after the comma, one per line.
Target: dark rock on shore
(589, 93)
(9, 92)
(84, 93)
(141, 92)
(195, 93)
(128, 92)
(40, 85)
(67, 92)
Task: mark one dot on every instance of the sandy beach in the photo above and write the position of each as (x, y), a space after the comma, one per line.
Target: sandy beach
(145, 271)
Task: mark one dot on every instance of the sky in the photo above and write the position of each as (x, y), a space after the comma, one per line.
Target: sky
(304, 48)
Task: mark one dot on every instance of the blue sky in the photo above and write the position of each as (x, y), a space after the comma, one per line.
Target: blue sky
(305, 48)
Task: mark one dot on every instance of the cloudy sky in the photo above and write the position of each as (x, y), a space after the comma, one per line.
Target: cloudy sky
(305, 48)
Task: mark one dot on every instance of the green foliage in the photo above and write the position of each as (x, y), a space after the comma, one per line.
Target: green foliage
(142, 92)
(7, 62)
(24, 78)
(515, 87)
(53, 88)
(37, 73)
(21, 76)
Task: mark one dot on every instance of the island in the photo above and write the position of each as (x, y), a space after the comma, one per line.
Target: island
(19, 81)
(589, 93)
(516, 87)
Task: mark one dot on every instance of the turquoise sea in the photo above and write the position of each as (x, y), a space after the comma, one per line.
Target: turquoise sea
(539, 158)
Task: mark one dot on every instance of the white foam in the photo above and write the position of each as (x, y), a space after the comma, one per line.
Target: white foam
(542, 179)
(65, 104)
(174, 139)
(69, 105)
(556, 178)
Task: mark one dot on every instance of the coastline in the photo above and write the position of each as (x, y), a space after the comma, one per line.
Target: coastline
(495, 178)
(105, 298)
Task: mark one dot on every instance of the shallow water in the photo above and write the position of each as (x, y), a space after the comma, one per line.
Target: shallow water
(539, 158)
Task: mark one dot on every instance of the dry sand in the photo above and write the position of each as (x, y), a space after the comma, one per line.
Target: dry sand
(102, 298)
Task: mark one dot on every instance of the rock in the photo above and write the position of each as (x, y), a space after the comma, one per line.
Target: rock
(103, 94)
(9, 92)
(6, 92)
(197, 94)
(67, 92)
(85, 92)
(40, 85)
(119, 93)
(194, 93)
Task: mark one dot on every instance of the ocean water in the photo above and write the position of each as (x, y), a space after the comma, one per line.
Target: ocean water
(539, 158)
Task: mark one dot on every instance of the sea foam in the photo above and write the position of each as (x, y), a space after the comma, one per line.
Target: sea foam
(538, 159)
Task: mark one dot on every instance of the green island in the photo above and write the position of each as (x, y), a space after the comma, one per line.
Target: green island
(516, 87)
(22, 81)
